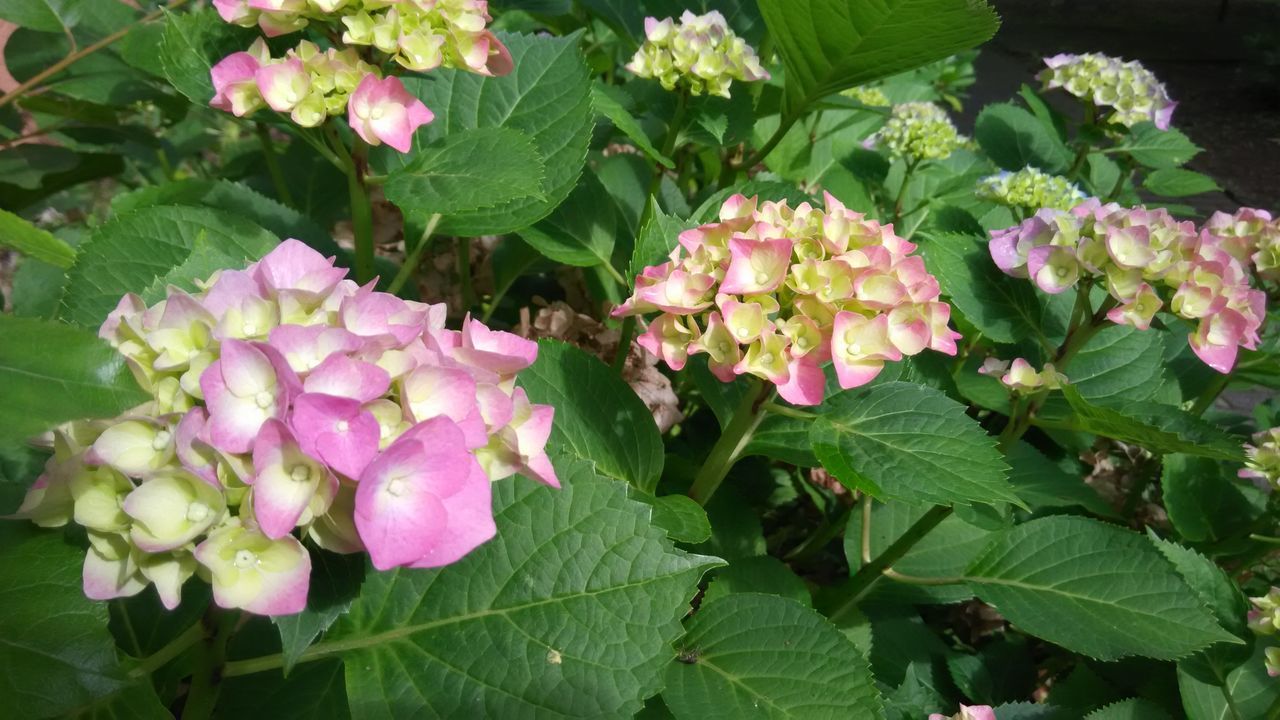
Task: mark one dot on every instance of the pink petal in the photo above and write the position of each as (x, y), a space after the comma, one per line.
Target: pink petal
(494, 350)
(342, 376)
(335, 430)
(280, 498)
(807, 383)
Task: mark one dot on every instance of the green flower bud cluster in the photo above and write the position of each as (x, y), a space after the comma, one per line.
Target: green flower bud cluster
(1129, 89)
(701, 55)
(869, 96)
(1030, 188)
(919, 131)
(423, 35)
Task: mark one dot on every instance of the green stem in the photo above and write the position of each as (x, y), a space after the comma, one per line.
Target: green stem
(826, 532)
(624, 344)
(787, 411)
(206, 680)
(867, 576)
(668, 147)
(462, 250)
(902, 191)
(414, 256)
(1126, 172)
(161, 657)
(273, 164)
(784, 125)
(918, 580)
(746, 418)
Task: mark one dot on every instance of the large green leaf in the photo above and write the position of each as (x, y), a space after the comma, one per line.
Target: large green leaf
(34, 242)
(1092, 588)
(1005, 309)
(569, 612)
(130, 252)
(1120, 363)
(581, 232)
(52, 373)
(1131, 709)
(764, 656)
(468, 171)
(1042, 483)
(598, 417)
(547, 97)
(313, 691)
(908, 442)
(55, 651)
(1205, 501)
(1014, 139)
(610, 101)
(193, 43)
(655, 242)
(1246, 692)
(1178, 182)
(335, 582)
(1156, 148)
(1158, 428)
(830, 45)
(53, 16)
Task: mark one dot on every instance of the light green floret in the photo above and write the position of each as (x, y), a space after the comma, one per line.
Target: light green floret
(1030, 188)
(920, 131)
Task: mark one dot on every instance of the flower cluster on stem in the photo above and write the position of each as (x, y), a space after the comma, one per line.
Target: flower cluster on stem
(1029, 189)
(1147, 260)
(289, 403)
(1130, 90)
(311, 84)
(1262, 458)
(699, 54)
(776, 292)
(1021, 377)
(1264, 619)
(918, 131)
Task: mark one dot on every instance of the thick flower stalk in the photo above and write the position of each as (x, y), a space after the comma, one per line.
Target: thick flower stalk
(968, 712)
(1131, 91)
(1030, 189)
(1262, 458)
(289, 403)
(700, 55)
(776, 292)
(1264, 619)
(918, 131)
(310, 84)
(1147, 261)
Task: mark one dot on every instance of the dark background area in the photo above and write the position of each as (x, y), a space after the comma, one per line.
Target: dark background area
(1220, 61)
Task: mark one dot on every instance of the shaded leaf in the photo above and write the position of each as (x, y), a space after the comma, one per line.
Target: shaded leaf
(34, 242)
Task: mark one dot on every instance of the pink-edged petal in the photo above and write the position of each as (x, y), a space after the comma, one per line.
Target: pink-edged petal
(469, 521)
(336, 430)
(285, 480)
(342, 376)
(807, 383)
(499, 352)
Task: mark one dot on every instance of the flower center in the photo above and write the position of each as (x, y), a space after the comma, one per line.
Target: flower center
(767, 359)
(249, 329)
(300, 472)
(742, 332)
(762, 278)
(1062, 272)
(197, 512)
(854, 349)
(245, 559)
(376, 114)
(264, 399)
(161, 440)
(396, 488)
(802, 343)
(342, 426)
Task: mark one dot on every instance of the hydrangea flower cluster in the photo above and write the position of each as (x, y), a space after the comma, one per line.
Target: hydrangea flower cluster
(1131, 91)
(1020, 377)
(869, 96)
(776, 292)
(1263, 458)
(1251, 236)
(310, 84)
(919, 131)
(968, 712)
(701, 55)
(1264, 619)
(286, 399)
(1138, 253)
(1030, 188)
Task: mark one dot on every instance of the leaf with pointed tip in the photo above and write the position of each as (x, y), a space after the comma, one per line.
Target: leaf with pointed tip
(1005, 309)
(1158, 428)
(468, 171)
(193, 43)
(608, 101)
(582, 231)
(34, 242)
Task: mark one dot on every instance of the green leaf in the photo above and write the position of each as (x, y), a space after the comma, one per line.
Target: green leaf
(624, 17)
(56, 652)
(1246, 692)
(608, 101)
(313, 691)
(657, 239)
(1014, 139)
(1094, 589)
(1032, 711)
(1178, 182)
(570, 611)
(684, 520)
(193, 43)
(760, 574)
(1210, 582)
(1131, 709)
(763, 656)
(34, 242)
(335, 583)
(598, 417)
(944, 553)
(134, 702)
(1158, 428)
(1042, 483)
(908, 442)
(54, 16)
(468, 171)
(52, 373)
(128, 253)
(720, 122)
(1156, 148)
(1203, 500)
(547, 97)
(27, 165)
(1118, 364)
(1005, 309)
(830, 45)
(581, 232)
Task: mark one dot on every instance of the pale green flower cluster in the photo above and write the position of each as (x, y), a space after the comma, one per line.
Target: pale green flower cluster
(869, 96)
(699, 54)
(1129, 89)
(919, 131)
(1030, 188)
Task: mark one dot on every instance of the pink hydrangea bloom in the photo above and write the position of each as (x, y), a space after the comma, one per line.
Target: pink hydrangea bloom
(968, 712)
(777, 292)
(287, 403)
(382, 111)
(1148, 261)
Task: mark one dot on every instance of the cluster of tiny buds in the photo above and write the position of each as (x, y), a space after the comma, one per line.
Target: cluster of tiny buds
(1147, 260)
(700, 54)
(869, 96)
(288, 403)
(968, 712)
(1131, 91)
(776, 292)
(1264, 619)
(311, 84)
(1262, 459)
(1030, 189)
(1021, 377)
(918, 131)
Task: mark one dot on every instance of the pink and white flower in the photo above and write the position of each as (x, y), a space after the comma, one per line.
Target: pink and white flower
(382, 111)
